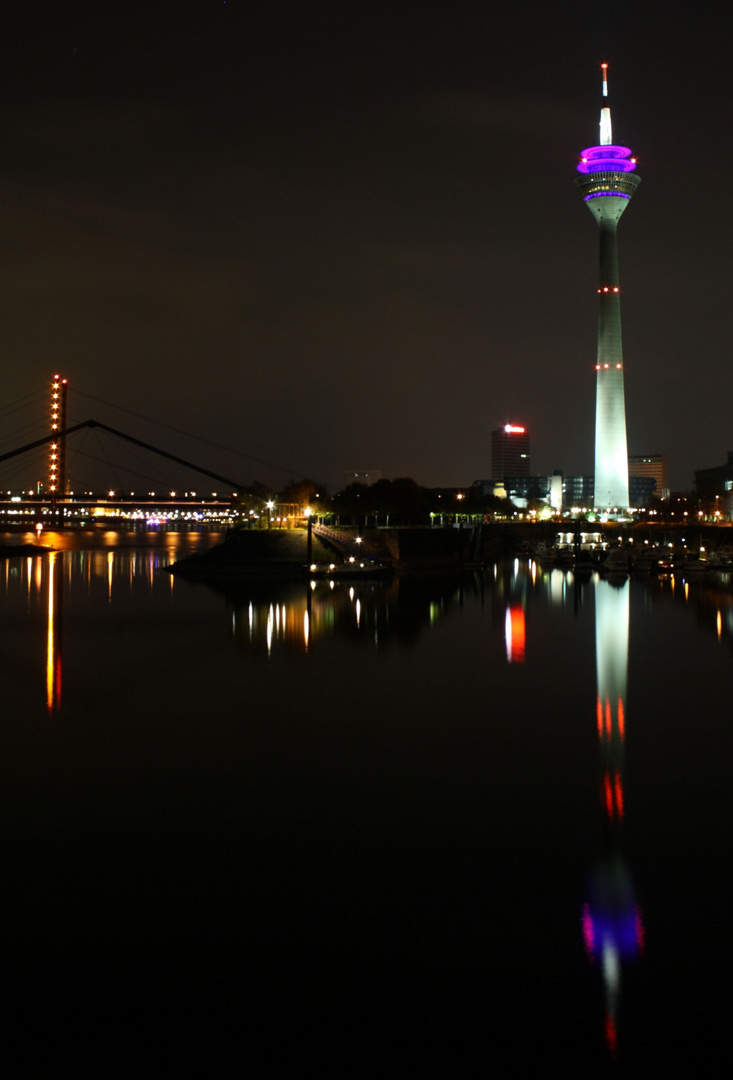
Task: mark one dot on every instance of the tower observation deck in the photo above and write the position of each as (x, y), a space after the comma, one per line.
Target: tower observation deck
(607, 182)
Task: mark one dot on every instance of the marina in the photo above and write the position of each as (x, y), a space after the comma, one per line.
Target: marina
(366, 633)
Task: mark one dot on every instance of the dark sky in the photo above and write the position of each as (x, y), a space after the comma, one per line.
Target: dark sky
(346, 235)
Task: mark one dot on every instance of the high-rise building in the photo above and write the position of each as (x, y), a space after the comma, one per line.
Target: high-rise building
(509, 452)
(655, 466)
(607, 181)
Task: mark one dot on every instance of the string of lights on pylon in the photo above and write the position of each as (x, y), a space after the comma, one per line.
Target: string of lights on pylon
(57, 452)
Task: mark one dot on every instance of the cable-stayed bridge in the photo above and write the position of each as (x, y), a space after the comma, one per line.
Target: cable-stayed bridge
(119, 474)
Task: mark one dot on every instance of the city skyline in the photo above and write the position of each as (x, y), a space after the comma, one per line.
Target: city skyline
(336, 238)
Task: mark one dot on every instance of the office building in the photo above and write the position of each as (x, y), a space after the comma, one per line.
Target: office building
(509, 452)
(654, 466)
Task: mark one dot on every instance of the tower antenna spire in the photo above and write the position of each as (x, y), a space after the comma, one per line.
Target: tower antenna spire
(606, 138)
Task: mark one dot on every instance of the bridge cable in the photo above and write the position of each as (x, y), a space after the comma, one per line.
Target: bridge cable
(128, 438)
(189, 435)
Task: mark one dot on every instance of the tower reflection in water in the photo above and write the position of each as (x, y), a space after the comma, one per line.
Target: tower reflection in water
(612, 926)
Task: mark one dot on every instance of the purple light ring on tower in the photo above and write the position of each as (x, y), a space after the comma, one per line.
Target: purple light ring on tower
(604, 194)
(606, 159)
(612, 150)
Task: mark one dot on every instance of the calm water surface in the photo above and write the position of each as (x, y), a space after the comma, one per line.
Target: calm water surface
(398, 823)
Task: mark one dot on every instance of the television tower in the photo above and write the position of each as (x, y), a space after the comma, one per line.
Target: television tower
(607, 181)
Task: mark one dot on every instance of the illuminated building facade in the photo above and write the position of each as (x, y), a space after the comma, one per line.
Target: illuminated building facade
(653, 466)
(509, 452)
(607, 182)
(579, 490)
(563, 492)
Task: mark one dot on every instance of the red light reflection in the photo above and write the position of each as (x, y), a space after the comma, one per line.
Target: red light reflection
(514, 631)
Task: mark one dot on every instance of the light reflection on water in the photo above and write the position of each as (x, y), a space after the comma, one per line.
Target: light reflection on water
(415, 803)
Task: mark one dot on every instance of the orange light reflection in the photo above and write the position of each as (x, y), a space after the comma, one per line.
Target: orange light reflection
(515, 633)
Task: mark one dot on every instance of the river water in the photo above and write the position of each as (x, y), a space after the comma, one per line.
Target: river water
(404, 823)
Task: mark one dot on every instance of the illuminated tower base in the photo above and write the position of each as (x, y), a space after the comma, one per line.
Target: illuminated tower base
(607, 182)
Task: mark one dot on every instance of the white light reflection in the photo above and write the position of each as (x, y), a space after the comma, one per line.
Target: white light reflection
(270, 625)
(557, 586)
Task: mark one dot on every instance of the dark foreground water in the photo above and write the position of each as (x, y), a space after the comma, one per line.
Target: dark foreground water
(407, 825)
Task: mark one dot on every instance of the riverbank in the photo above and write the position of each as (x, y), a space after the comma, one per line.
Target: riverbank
(279, 554)
(284, 554)
(8, 550)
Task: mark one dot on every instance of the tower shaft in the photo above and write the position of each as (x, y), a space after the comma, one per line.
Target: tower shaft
(611, 450)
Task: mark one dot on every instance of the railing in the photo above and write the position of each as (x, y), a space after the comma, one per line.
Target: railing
(346, 543)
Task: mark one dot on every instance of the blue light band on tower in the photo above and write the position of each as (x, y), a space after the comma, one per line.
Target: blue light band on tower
(607, 181)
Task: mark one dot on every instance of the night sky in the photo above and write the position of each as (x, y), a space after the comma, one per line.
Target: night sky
(336, 236)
